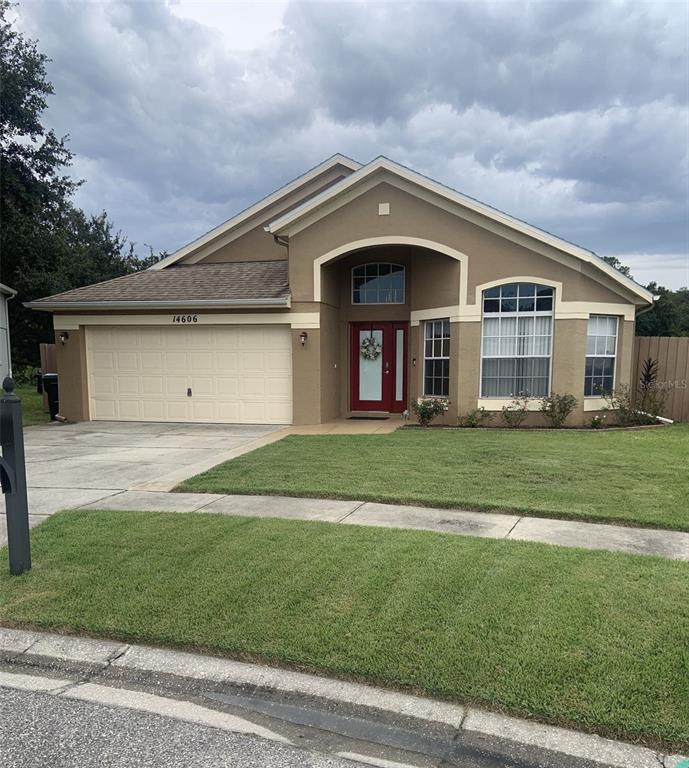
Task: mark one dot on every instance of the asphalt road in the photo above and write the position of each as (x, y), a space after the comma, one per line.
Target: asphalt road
(38, 730)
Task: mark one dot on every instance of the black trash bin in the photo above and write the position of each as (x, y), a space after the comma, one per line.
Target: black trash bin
(50, 387)
(39, 383)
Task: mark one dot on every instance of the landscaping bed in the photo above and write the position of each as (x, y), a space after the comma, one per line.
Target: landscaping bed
(592, 640)
(637, 477)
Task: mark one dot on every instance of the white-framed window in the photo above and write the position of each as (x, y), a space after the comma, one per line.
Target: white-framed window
(601, 350)
(378, 283)
(516, 340)
(436, 358)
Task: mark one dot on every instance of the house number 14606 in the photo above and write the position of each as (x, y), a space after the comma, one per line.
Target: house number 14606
(185, 318)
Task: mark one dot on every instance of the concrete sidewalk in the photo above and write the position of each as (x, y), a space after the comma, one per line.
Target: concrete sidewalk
(566, 533)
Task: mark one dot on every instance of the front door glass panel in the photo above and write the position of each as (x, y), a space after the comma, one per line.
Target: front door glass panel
(371, 371)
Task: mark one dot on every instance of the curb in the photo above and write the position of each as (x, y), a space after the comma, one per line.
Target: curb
(89, 655)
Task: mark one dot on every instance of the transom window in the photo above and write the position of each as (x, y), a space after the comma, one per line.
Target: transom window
(378, 283)
(436, 363)
(601, 348)
(516, 340)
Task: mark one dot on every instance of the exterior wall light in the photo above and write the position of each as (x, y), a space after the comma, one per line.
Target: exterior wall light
(302, 338)
(63, 337)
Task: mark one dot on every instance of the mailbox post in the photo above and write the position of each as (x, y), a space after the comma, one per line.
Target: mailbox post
(13, 479)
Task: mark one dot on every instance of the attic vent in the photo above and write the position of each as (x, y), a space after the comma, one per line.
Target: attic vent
(383, 209)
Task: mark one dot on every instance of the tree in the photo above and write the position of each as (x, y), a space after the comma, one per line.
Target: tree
(47, 244)
(669, 315)
(619, 266)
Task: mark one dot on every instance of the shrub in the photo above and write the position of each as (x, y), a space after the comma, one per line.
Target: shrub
(622, 402)
(427, 409)
(556, 408)
(597, 421)
(514, 414)
(475, 418)
(24, 374)
(651, 398)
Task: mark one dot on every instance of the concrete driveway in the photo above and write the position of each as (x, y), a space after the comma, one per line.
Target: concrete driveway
(71, 465)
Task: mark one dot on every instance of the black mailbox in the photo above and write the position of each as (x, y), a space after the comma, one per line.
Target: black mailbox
(13, 479)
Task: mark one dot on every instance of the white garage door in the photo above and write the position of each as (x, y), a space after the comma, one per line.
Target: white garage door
(231, 374)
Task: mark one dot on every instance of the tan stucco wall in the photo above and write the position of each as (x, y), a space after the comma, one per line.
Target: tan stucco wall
(491, 257)
(306, 378)
(468, 366)
(72, 375)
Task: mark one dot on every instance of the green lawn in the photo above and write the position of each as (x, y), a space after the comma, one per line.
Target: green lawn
(638, 477)
(594, 640)
(32, 405)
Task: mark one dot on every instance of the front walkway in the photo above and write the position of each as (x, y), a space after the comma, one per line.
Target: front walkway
(566, 533)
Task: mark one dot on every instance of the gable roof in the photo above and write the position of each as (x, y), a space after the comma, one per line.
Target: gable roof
(252, 210)
(382, 164)
(226, 284)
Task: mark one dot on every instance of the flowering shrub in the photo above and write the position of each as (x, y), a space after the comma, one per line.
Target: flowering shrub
(597, 421)
(514, 414)
(475, 418)
(556, 408)
(428, 408)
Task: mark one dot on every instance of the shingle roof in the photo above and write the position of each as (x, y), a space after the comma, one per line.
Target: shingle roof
(250, 281)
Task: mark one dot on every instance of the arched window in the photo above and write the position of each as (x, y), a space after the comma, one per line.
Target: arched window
(516, 342)
(378, 283)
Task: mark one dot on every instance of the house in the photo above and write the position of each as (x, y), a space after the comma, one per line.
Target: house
(351, 290)
(5, 350)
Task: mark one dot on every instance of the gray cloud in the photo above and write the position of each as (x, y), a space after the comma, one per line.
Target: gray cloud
(571, 115)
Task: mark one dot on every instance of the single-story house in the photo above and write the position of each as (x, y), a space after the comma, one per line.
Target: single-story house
(350, 291)
(6, 294)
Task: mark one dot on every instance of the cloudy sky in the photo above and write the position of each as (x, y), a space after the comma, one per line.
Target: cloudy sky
(571, 115)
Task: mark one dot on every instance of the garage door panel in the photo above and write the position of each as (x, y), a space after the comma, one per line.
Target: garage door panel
(175, 386)
(103, 385)
(128, 385)
(236, 373)
(227, 386)
(152, 385)
(151, 361)
(202, 385)
(176, 361)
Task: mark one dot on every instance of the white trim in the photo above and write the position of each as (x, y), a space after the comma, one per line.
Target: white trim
(306, 320)
(441, 357)
(562, 310)
(497, 403)
(246, 214)
(369, 242)
(6, 290)
(595, 403)
(421, 315)
(614, 357)
(283, 224)
(494, 283)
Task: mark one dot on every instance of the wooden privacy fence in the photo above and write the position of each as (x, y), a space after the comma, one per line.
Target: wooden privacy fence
(672, 354)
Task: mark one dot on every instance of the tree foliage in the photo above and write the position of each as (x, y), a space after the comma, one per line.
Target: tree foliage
(47, 244)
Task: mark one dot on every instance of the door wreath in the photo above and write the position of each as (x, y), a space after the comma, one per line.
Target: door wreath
(370, 348)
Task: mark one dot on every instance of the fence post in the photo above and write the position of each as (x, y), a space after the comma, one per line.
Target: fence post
(13, 480)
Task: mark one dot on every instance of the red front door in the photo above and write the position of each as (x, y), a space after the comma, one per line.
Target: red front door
(378, 368)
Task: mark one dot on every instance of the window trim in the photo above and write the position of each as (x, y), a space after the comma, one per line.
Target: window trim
(423, 368)
(614, 357)
(535, 313)
(378, 304)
